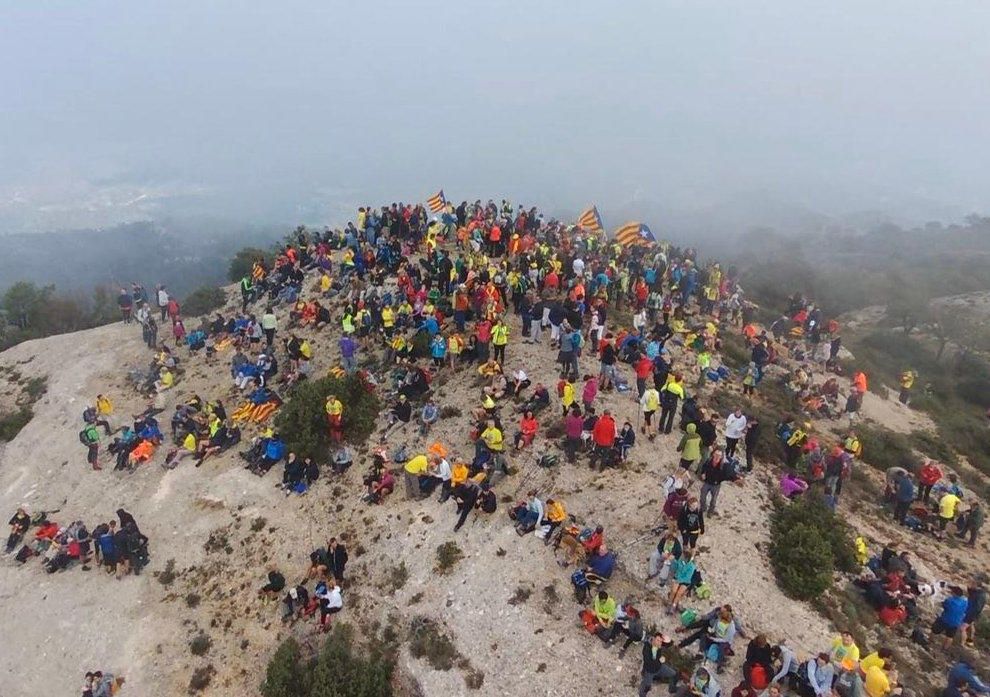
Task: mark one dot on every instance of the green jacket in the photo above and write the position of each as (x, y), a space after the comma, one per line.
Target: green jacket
(605, 611)
(690, 445)
(976, 519)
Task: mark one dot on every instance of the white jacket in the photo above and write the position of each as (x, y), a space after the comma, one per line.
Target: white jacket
(735, 426)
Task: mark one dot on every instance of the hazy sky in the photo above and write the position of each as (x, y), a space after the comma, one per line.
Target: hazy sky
(290, 110)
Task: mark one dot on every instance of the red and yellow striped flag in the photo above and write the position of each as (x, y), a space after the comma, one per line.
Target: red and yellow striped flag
(591, 220)
(635, 234)
(436, 202)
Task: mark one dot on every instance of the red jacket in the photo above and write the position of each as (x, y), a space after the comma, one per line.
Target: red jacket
(644, 368)
(604, 431)
(892, 615)
(47, 531)
(929, 475)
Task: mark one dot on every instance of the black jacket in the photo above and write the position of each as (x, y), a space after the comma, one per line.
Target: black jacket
(338, 560)
(752, 434)
(691, 521)
(714, 474)
(706, 429)
(651, 664)
(758, 654)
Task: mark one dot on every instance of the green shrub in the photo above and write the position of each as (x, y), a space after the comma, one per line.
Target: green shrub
(337, 671)
(429, 641)
(200, 644)
(808, 543)
(36, 387)
(975, 390)
(243, 262)
(883, 448)
(420, 345)
(735, 354)
(772, 403)
(894, 352)
(167, 576)
(448, 554)
(201, 678)
(302, 420)
(203, 300)
(812, 511)
(932, 446)
(11, 424)
(802, 561)
(284, 676)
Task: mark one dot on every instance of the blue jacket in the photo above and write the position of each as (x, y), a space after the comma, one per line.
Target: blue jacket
(963, 672)
(953, 611)
(602, 564)
(106, 543)
(275, 450)
(905, 490)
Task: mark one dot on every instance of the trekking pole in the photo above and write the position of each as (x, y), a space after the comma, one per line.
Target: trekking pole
(646, 535)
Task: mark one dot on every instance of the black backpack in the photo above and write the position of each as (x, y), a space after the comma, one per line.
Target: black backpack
(489, 502)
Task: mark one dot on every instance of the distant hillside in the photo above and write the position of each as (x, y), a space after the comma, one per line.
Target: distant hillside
(845, 270)
(183, 254)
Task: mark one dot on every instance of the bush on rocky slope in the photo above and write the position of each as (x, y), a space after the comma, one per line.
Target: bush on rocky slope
(242, 263)
(808, 543)
(203, 300)
(302, 420)
(336, 672)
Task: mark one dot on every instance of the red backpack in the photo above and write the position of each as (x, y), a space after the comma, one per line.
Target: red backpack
(758, 679)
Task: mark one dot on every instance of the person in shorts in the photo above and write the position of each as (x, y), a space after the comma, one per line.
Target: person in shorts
(953, 614)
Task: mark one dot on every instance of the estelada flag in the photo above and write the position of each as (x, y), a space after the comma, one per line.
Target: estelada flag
(635, 233)
(591, 220)
(436, 202)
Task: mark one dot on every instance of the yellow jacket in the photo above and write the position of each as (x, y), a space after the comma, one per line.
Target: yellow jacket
(500, 335)
(388, 317)
(556, 512)
(568, 397)
(493, 439)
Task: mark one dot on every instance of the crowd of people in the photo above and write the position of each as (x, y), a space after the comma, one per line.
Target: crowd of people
(461, 290)
(296, 601)
(119, 549)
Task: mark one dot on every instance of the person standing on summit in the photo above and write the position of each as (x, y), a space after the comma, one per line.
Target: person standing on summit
(126, 303)
(162, 298)
(735, 430)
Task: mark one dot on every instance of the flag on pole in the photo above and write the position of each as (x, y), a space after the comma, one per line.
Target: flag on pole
(591, 220)
(436, 202)
(635, 234)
